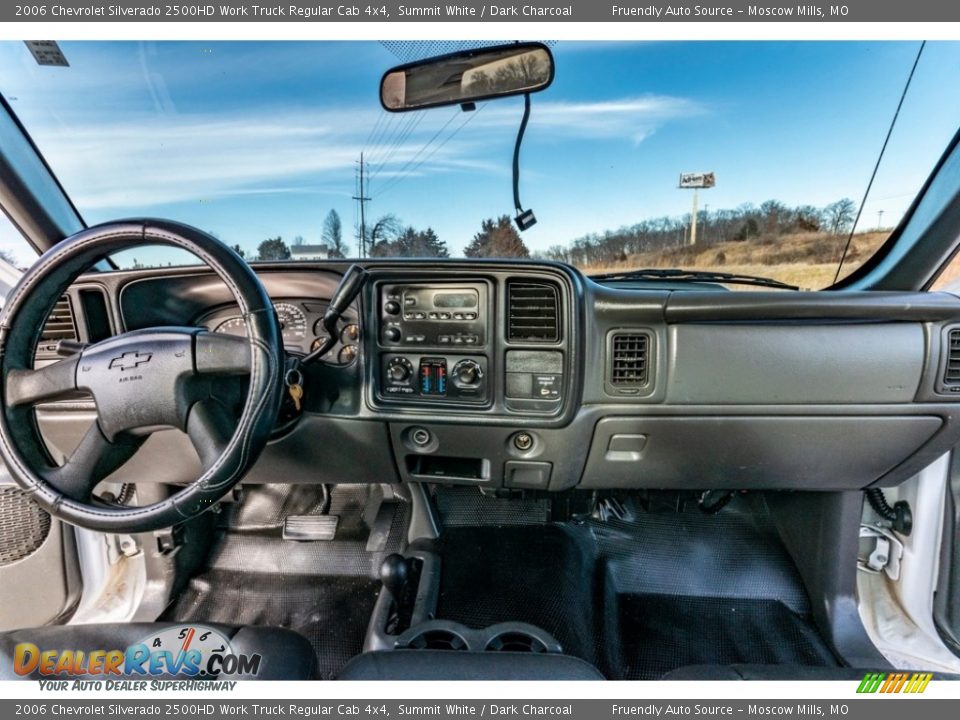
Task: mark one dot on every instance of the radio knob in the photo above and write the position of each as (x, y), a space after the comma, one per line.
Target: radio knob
(392, 334)
(467, 372)
(391, 307)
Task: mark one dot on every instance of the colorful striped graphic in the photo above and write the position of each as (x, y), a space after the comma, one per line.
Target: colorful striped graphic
(894, 683)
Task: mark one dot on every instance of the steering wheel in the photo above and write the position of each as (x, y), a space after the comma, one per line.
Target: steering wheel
(141, 381)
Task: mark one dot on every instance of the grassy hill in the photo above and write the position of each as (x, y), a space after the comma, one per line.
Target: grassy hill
(808, 260)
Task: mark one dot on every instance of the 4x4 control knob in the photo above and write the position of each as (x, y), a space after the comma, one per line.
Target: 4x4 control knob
(467, 373)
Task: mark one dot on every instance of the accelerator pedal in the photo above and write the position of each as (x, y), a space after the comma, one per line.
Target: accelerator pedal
(310, 528)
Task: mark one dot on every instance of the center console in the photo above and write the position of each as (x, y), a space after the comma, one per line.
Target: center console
(496, 349)
(436, 342)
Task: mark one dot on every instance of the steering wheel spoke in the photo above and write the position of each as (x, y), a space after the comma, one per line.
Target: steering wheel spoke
(92, 460)
(210, 426)
(56, 381)
(219, 354)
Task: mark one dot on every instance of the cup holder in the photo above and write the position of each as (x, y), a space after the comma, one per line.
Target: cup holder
(519, 637)
(515, 642)
(436, 635)
(437, 640)
(505, 637)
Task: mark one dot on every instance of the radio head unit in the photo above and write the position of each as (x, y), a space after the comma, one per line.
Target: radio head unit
(433, 315)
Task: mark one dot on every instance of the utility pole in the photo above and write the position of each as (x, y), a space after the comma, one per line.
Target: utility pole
(362, 199)
(879, 219)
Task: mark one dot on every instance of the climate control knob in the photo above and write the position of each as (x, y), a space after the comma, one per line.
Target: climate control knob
(467, 373)
(399, 370)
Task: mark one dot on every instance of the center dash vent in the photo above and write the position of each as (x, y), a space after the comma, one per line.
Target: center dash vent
(951, 373)
(59, 326)
(629, 366)
(533, 312)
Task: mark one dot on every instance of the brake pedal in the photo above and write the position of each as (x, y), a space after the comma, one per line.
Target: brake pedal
(310, 528)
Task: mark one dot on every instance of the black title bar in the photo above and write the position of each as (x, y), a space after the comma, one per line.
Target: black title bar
(891, 11)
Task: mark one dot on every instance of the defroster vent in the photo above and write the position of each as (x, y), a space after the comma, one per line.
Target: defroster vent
(629, 362)
(533, 312)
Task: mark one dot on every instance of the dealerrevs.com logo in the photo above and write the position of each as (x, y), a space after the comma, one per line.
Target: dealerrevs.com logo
(192, 651)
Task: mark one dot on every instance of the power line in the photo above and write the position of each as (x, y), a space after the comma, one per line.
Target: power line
(402, 138)
(374, 129)
(386, 128)
(425, 145)
(402, 175)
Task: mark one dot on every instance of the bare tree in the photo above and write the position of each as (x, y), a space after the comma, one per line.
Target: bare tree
(332, 235)
(839, 216)
(387, 228)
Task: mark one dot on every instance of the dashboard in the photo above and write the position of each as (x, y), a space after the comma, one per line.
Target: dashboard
(529, 376)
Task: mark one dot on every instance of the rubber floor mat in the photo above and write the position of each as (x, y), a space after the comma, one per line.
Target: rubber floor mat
(659, 633)
(538, 575)
(466, 506)
(641, 597)
(332, 612)
(326, 590)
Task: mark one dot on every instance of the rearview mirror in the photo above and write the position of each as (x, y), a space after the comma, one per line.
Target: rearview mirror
(468, 76)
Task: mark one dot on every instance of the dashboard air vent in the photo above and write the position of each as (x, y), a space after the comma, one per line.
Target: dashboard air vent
(59, 326)
(533, 311)
(951, 374)
(628, 359)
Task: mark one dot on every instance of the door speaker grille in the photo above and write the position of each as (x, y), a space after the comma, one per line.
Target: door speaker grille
(23, 525)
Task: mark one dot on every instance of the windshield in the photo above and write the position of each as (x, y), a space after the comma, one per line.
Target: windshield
(769, 146)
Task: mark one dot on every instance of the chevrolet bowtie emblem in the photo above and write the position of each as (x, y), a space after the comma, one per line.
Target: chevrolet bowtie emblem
(130, 360)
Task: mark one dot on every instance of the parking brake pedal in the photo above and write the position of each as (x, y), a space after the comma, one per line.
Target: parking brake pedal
(309, 528)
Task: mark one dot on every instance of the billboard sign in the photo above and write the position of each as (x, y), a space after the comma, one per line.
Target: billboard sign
(697, 180)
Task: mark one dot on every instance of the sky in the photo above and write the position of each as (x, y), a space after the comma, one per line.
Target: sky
(252, 140)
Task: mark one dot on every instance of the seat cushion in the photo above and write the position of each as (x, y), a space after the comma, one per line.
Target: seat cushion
(284, 654)
(459, 665)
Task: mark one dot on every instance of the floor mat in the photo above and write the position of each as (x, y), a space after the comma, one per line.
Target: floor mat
(465, 506)
(538, 575)
(331, 612)
(323, 590)
(640, 597)
(663, 632)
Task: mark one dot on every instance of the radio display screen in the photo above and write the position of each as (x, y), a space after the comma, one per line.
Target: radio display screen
(455, 300)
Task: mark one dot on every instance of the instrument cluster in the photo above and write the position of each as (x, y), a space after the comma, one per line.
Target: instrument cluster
(301, 327)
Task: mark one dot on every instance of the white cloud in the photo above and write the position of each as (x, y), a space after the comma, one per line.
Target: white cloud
(155, 159)
(634, 118)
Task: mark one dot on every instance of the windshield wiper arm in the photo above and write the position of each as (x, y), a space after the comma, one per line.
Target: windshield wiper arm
(694, 276)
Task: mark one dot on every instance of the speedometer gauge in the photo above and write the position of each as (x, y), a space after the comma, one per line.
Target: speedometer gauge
(293, 323)
(232, 326)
